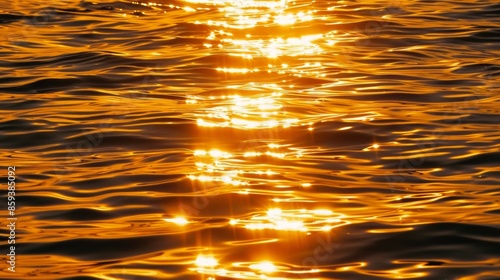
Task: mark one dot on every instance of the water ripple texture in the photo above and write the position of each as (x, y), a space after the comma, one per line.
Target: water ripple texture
(259, 139)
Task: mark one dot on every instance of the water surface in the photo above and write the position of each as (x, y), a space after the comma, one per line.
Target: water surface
(252, 139)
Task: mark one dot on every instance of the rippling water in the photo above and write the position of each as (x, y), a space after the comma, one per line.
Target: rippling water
(252, 139)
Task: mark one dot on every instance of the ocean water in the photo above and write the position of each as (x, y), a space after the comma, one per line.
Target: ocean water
(233, 139)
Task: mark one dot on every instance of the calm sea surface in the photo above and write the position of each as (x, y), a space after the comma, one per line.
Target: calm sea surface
(235, 139)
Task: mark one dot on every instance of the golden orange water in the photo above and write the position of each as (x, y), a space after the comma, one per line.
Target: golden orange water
(232, 139)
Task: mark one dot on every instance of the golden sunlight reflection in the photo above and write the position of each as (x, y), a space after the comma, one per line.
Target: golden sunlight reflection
(244, 166)
(244, 112)
(249, 48)
(177, 220)
(292, 220)
(243, 15)
(248, 14)
(214, 170)
(205, 261)
(236, 169)
(266, 269)
(243, 4)
(243, 270)
(307, 69)
(265, 266)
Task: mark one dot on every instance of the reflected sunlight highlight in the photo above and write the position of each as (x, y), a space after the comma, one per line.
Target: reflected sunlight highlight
(207, 265)
(205, 261)
(178, 220)
(246, 14)
(271, 48)
(244, 112)
(292, 220)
